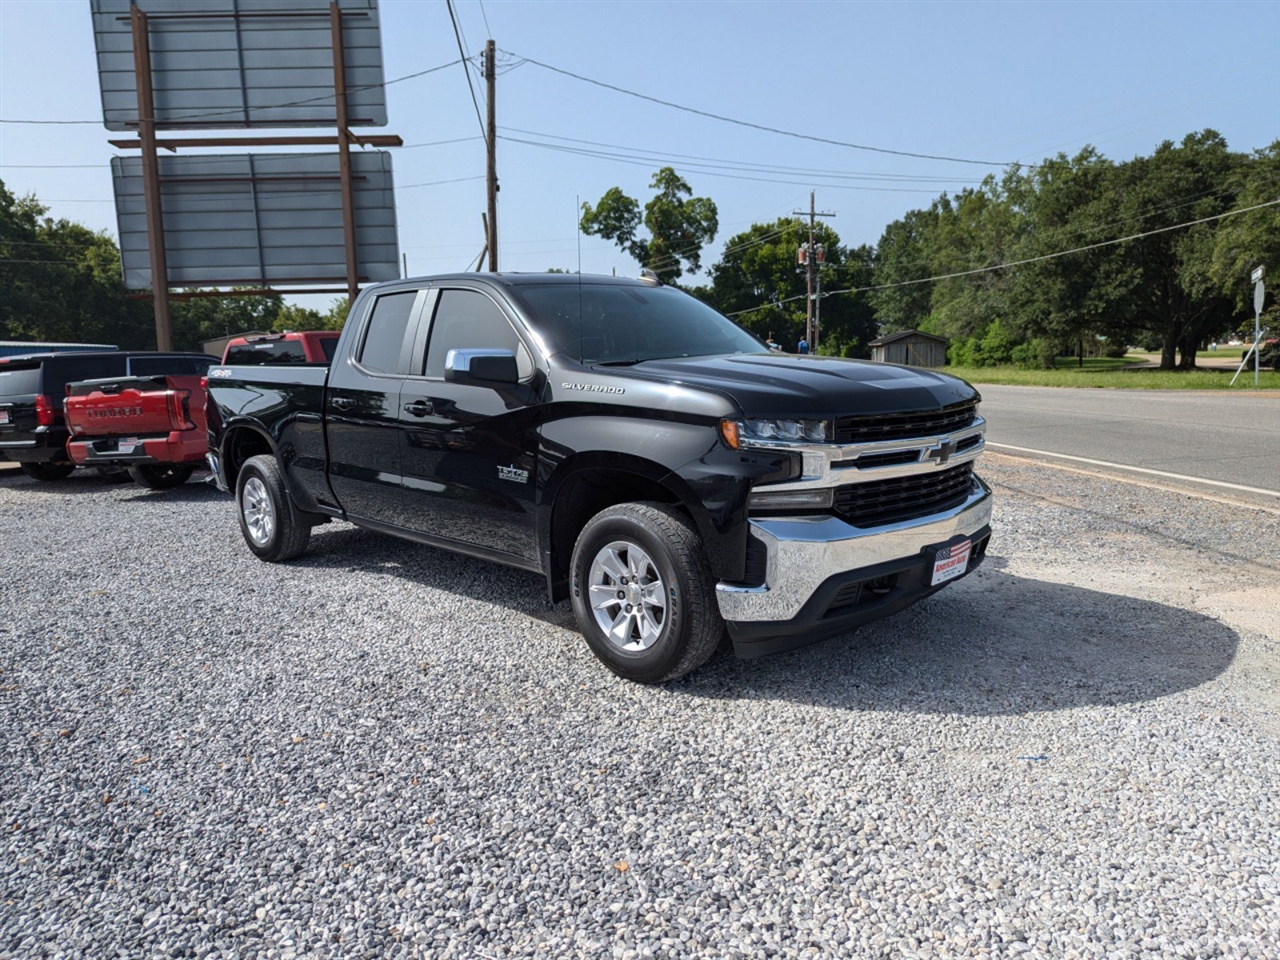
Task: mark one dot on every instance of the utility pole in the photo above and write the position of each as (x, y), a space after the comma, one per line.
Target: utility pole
(808, 255)
(491, 77)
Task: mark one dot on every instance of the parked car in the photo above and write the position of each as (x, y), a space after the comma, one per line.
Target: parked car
(658, 465)
(291, 348)
(33, 429)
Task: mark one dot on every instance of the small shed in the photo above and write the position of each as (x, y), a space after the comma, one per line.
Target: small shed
(910, 348)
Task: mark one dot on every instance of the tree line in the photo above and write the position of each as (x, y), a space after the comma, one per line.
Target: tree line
(986, 267)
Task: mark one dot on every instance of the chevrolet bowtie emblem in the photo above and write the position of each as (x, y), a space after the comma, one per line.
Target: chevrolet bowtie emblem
(942, 452)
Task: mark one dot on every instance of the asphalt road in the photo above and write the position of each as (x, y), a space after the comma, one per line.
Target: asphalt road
(1231, 438)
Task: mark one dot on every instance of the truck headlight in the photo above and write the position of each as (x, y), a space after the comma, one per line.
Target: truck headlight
(746, 433)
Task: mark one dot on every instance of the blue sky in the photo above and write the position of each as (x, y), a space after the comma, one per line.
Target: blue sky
(989, 81)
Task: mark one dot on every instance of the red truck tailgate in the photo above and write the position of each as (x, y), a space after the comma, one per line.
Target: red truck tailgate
(135, 406)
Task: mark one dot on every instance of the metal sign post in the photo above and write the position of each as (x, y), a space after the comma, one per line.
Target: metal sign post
(1259, 295)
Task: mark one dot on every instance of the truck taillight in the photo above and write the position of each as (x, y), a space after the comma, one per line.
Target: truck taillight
(178, 410)
(46, 416)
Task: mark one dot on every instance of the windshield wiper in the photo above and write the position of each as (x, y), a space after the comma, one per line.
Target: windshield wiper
(620, 363)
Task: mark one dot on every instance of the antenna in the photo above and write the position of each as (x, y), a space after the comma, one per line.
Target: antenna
(577, 219)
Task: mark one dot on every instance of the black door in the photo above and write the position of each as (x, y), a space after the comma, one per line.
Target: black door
(468, 451)
(362, 406)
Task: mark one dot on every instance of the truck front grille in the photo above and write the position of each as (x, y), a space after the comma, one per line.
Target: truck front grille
(905, 426)
(904, 498)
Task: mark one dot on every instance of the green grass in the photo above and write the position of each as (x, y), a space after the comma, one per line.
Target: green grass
(1106, 372)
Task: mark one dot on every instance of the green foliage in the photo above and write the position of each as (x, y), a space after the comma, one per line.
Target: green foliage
(679, 224)
(61, 281)
(758, 274)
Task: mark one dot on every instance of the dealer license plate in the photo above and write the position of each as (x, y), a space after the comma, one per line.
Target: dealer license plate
(127, 446)
(950, 562)
(4, 416)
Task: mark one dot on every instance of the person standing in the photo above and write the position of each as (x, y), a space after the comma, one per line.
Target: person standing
(802, 346)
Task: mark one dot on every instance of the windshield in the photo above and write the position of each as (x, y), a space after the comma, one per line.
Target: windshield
(611, 323)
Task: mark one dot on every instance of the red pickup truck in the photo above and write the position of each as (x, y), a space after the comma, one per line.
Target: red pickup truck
(154, 426)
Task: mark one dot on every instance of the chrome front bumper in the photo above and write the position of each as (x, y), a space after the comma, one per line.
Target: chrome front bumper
(804, 552)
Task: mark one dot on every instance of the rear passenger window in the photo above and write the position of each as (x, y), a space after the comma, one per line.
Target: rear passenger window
(385, 336)
(466, 320)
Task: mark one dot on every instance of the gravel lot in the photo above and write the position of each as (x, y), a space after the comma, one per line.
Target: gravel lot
(383, 750)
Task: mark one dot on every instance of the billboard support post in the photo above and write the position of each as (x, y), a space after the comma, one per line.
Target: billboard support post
(344, 155)
(151, 177)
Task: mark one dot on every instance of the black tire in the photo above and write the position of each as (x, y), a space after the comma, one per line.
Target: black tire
(260, 492)
(48, 471)
(161, 476)
(688, 626)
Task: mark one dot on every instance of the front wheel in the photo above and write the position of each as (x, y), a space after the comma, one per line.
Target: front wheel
(161, 476)
(48, 471)
(643, 593)
(272, 528)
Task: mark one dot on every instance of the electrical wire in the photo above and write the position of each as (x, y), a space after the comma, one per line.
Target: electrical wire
(457, 34)
(720, 162)
(1019, 263)
(758, 126)
(616, 158)
(487, 29)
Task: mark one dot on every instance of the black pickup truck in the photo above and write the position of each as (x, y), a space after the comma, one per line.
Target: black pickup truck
(657, 464)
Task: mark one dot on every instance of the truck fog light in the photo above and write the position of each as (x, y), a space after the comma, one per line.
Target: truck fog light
(790, 499)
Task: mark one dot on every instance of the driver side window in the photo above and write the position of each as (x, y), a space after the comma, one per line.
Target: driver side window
(465, 319)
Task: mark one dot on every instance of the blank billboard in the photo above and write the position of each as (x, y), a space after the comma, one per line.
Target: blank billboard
(258, 219)
(240, 63)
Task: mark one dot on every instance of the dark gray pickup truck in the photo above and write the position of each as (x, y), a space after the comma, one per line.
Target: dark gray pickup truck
(657, 464)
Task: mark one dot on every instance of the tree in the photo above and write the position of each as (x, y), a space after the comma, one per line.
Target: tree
(1250, 239)
(679, 224)
(61, 281)
(902, 256)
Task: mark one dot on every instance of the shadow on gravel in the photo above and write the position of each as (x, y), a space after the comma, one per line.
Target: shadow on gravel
(354, 549)
(992, 644)
(193, 491)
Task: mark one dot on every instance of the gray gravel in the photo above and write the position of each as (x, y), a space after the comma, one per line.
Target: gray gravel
(383, 750)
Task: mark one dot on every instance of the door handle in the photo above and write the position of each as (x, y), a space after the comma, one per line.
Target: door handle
(343, 403)
(419, 408)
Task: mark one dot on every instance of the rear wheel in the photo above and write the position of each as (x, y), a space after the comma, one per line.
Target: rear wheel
(161, 476)
(272, 528)
(643, 593)
(48, 471)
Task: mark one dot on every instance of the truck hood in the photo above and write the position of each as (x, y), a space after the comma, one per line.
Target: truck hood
(773, 385)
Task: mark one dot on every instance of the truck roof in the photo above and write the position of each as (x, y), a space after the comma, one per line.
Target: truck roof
(529, 279)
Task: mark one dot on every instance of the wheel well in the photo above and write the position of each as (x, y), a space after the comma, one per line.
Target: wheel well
(580, 498)
(240, 444)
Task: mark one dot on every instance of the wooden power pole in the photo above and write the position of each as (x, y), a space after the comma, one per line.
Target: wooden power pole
(810, 259)
(491, 138)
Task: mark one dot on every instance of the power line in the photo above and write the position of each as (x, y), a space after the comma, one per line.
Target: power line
(759, 126)
(658, 156)
(487, 29)
(1019, 263)
(710, 172)
(457, 34)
